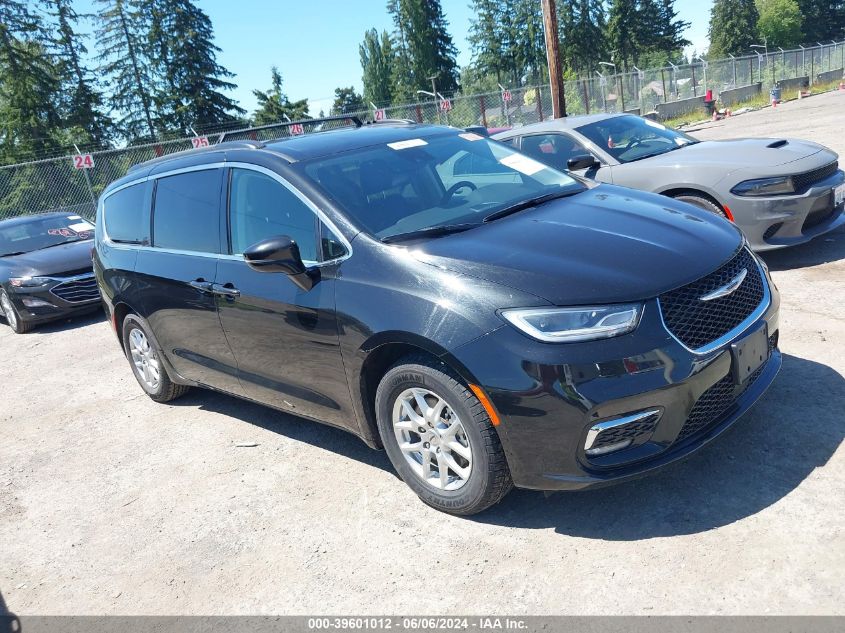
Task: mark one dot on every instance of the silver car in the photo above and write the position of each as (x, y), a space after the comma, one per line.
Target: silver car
(780, 192)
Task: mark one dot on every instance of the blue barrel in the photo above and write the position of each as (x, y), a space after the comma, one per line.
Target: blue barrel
(774, 93)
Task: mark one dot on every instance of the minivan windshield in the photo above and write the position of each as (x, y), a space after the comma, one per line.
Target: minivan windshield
(628, 138)
(427, 186)
(38, 233)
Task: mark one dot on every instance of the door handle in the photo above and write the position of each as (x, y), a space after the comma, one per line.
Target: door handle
(201, 284)
(227, 290)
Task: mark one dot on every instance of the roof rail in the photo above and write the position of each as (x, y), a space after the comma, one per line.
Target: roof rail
(255, 132)
(392, 122)
(248, 144)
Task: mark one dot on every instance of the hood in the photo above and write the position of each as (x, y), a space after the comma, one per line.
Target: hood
(67, 258)
(605, 245)
(757, 152)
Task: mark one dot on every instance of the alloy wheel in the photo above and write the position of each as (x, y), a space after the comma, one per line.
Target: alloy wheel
(144, 359)
(432, 439)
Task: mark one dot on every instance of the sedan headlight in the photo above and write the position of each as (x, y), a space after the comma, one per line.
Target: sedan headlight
(779, 186)
(29, 282)
(561, 325)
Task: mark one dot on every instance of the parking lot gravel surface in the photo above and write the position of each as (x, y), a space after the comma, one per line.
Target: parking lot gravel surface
(113, 504)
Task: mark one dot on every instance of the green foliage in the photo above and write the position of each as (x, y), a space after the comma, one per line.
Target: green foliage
(780, 22)
(424, 48)
(377, 59)
(824, 20)
(346, 100)
(733, 27)
(583, 25)
(190, 84)
(274, 105)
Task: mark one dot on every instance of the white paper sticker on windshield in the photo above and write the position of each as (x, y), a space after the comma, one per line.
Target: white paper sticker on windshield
(471, 136)
(522, 164)
(414, 142)
(81, 227)
(73, 217)
(659, 126)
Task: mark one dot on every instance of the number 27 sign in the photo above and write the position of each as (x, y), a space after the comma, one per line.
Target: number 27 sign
(83, 161)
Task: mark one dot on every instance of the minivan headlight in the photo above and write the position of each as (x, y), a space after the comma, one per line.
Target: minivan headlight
(29, 282)
(779, 186)
(560, 325)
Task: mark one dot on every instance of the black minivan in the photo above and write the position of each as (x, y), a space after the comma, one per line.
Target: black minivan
(487, 320)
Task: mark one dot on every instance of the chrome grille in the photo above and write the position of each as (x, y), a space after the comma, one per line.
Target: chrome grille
(697, 323)
(80, 289)
(804, 181)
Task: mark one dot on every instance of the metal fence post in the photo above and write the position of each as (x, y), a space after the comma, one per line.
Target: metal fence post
(539, 103)
(663, 79)
(586, 96)
(483, 110)
(694, 89)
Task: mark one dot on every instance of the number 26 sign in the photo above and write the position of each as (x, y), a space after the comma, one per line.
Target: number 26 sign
(83, 161)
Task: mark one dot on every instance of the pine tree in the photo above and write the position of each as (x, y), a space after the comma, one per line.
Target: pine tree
(377, 58)
(191, 85)
(583, 34)
(121, 39)
(274, 105)
(623, 31)
(485, 38)
(426, 47)
(671, 29)
(347, 101)
(82, 103)
(733, 27)
(28, 86)
(823, 20)
(402, 72)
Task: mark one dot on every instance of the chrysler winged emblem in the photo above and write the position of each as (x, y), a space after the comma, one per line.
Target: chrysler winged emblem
(727, 289)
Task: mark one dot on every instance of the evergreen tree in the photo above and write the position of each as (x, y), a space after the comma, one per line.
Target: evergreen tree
(274, 105)
(82, 104)
(823, 20)
(377, 59)
(671, 29)
(583, 33)
(121, 39)
(623, 32)
(190, 91)
(779, 23)
(346, 100)
(426, 47)
(486, 39)
(28, 86)
(402, 73)
(733, 27)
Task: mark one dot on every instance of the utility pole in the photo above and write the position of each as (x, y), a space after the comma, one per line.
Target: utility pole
(553, 57)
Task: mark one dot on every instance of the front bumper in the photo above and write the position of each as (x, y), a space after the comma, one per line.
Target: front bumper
(780, 221)
(61, 298)
(549, 396)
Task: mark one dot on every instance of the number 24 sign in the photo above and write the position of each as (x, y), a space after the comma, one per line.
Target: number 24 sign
(83, 161)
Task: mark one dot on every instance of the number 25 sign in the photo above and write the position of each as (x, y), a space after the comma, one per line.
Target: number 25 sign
(83, 161)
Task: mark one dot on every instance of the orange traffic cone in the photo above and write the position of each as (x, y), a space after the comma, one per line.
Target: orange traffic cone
(774, 103)
(729, 112)
(842, 86)
(715, 116)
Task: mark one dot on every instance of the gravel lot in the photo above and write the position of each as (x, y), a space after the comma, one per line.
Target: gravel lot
(110, 503)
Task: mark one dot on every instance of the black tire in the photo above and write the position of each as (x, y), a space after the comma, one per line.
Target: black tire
(163, 389)
(18, 325)
(702, 202)
(489, 478)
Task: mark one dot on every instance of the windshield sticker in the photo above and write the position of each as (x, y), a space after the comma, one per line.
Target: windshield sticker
(61, 232)
(73, 217)
(81, 227)
(414, 142)
(522, 164)
(471, 136)
(654, 124)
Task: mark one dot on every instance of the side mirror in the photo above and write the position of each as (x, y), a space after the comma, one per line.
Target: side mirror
(582, 161)
(280, 254)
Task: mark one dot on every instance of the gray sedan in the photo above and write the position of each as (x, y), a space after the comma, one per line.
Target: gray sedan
(780, 192)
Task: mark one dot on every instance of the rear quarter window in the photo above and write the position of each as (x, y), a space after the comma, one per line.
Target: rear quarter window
(123, 215)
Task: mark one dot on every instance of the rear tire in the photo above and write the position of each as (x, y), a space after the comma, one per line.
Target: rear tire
(702, 203)
(146, 362)
(13, 318)
(450, 454)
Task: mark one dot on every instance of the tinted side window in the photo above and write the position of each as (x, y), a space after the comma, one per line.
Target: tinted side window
(123, 215)
(261, 207)
(554, 150)
(186, 213)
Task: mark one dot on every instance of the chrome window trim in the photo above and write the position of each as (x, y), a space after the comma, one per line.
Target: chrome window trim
(596, 429)
(726, 338)
(233, 257)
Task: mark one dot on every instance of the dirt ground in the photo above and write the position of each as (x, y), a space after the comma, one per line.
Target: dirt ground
(112, 504)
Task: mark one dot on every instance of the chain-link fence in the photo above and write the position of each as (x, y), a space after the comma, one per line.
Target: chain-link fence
(73, 184)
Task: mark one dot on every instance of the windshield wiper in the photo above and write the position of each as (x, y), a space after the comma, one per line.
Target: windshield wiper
(13, 254)
(429, 231)
(530, 202)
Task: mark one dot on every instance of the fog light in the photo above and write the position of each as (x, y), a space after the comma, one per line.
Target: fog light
(609, 448)
(35, 302)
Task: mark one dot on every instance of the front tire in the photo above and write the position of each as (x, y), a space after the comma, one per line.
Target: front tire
(702, 203)
(146, 362)
(18, 325)
(439, 438)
